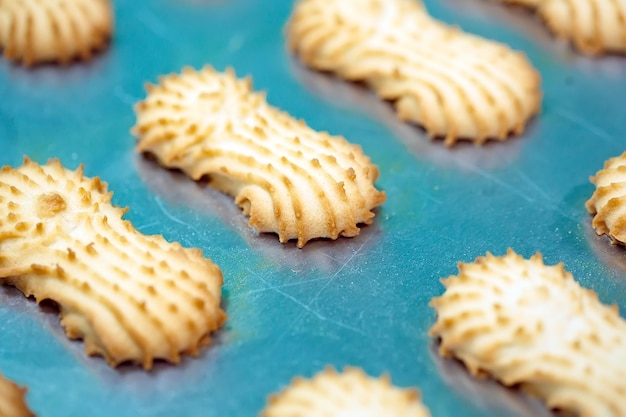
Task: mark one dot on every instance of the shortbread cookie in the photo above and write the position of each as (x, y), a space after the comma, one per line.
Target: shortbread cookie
(608, 202)
(593, 26)
(12, 401)
(131, 297)
(454, 84)
(531, 325)
(347, 394)
(35, 31)
(290, 179)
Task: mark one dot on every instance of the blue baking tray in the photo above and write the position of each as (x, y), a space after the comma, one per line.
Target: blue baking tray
(360, 301)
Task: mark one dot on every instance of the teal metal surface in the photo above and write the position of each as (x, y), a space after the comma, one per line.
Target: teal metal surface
(360, 301)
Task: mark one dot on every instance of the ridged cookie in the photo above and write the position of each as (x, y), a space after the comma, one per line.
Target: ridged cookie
(347, 394)
(608, 202)
(35, 31)
(454, 84)
(290, 179)
(12, 400)
(131, 297)
(531, 325)
(593, 26)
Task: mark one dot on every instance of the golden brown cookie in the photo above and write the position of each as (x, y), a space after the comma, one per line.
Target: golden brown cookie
(593, 26)
(35, 31)
(608, 202)
(290, 179)
(130, 297)
(347, 394)
(12, 400)
(454, 84)
(531, 325)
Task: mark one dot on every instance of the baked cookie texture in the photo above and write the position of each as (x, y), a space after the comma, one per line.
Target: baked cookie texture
(350, 393)
(531, 325)
(130, 297)
(455, 85)
(593, 26)
(290, 179)
(37, 31)
(608, 202)
(12, 400)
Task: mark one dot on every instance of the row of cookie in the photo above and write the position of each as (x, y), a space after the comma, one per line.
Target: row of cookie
(481, 338)
(534, 364)
(455, 85)
(35, 31)
(220, 88)
(525, 324)
(290, 179)
(37, 198)
(522, 322)
(45, 206)
(495, 315)
(53, 203)
(138, 298)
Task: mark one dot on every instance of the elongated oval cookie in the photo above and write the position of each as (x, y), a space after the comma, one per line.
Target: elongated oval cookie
(34, 31)
(346, 394)
(529, 324)
(290, 179)
(608, 202)
(131, 297)
(454, 84)
(12, 400)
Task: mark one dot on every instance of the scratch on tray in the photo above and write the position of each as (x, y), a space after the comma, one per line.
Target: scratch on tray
(295, 300)
(152, 23)
(533, 184)
(319, 316)
(501, 183)
(429, 196)
(124, 97)
(307, 307)
(356, 252)
(168, 214)
(346, 326)
(147, 225)
(526, 197)
(551, 202)
(274, 288)
(586, 125)
(235, 43)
